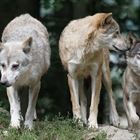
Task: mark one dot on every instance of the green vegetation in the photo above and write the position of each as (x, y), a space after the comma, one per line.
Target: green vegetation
(59, 128)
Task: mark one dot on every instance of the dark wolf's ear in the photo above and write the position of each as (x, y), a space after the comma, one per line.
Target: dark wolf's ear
(106, 20)
(131, 39)
(27, 45)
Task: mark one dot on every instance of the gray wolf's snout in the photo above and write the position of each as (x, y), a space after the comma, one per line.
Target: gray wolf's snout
(128, 48)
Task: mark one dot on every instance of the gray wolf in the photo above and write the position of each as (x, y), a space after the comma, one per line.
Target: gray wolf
(24, 58)
(84, 51)
(131, 82)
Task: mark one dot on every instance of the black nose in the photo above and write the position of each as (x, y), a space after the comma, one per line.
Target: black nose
(129, 48)
(4, 83)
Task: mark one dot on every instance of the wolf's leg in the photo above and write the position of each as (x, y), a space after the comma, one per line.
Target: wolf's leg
(35, 115)
(130, 124)
(83, 100)
(96, 86)
(73, 85)
(134, 117)
(114, 118)
(14, 106)
(30, 114)
(132, 108)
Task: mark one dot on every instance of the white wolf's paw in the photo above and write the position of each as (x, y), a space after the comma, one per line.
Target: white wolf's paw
(84, 121)
(114, 119)
(135, 119)
(92, 125)
(15, 124)
(28, 124)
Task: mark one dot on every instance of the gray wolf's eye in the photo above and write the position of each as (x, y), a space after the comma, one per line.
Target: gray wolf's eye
(138, 55)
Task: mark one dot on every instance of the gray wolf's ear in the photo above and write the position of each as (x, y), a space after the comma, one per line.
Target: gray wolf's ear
(1, 46)
(106, 20)
(131, 38)
(26, 46)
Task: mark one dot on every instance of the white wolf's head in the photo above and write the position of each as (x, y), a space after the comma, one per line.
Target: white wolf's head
(14, 60)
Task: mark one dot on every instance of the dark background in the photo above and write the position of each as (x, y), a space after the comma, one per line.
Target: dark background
(54, 97)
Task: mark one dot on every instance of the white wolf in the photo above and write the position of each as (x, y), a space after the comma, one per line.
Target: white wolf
(24, 58)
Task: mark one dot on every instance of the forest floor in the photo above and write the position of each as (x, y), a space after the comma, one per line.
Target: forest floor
(62, 129)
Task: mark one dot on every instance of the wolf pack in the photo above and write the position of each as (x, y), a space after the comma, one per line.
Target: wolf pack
(84, 46)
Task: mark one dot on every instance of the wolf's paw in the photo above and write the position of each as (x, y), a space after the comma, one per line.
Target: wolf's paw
(15, 124)
(28, 124)
(92, 125)
(78, 121)
(84, 121)
(135, 119)
(114, 119)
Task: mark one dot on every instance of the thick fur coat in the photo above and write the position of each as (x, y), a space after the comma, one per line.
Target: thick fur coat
(131, 83)
(84, 51)
(24, 58)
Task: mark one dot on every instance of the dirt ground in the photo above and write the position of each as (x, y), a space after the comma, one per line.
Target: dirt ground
(114, 133)
(121, 133)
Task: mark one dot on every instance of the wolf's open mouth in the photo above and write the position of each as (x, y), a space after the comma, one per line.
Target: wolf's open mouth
(119, 49)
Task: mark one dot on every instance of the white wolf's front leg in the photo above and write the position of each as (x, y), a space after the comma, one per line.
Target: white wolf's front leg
(14, 106)
(30, 114)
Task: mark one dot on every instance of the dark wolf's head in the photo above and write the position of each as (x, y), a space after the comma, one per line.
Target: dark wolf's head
(133, 55)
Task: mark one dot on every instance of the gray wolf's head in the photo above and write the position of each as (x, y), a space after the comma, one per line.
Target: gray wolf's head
(14, 60)
(107, 33)
(133, 55)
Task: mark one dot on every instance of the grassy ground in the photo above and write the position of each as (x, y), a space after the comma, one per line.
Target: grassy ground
(59, 128)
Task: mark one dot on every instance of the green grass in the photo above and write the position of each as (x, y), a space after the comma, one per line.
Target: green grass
(59, 128)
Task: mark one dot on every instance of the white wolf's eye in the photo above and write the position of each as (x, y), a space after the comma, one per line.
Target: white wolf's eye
(15, 66)
(3, 65)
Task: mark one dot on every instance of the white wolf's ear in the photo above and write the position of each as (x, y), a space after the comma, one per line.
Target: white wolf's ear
(131, 38)
(26, 46)
(1, 46)
(106, 20)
